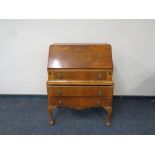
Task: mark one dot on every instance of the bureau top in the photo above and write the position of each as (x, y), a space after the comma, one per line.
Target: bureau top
(80, 56)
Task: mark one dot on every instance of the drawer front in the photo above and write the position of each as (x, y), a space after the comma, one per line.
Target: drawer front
(79, 74)
(80, 101)
(98, 91)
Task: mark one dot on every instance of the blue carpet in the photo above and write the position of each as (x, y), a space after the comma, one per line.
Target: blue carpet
(27, 115)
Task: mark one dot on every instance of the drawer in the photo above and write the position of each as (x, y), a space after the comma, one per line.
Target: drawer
(79, 74)
(80, 101)
(98, 91)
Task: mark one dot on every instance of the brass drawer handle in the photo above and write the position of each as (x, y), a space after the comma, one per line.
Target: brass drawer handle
(58, 92)
(59, 76)
(100, 93)
(60, 102)
(100, 76)
(98, 103)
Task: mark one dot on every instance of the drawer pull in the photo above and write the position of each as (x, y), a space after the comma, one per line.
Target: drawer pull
(100, 76)
(100, 93)
(58, 92)
(59, 76)
(98, 103)
(60, 102)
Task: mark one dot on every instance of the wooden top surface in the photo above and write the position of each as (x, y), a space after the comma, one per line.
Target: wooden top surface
(80, 44)
(80, 56)
(76, 82)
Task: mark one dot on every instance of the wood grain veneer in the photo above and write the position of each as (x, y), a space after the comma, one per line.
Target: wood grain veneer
(80, 76)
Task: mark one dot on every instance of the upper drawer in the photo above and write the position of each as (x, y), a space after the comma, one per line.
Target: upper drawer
(79, 74)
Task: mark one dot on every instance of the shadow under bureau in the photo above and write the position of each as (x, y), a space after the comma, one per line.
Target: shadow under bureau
(80, 76)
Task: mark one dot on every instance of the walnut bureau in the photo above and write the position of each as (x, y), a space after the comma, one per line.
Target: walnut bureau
(80, 76)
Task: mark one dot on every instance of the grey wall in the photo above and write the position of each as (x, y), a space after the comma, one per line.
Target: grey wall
(24, 52)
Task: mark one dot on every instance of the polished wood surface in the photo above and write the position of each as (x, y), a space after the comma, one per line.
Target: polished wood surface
(80, 56)
(77, 102)
(83, 83)
(80, 76)
(101, 91)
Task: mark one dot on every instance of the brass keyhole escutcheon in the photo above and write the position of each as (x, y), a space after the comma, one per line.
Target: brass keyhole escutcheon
(98, 103)
(100, 93)
(50, 73)
(58, 92)
(59, 76)
(60, 102)
(100, 76)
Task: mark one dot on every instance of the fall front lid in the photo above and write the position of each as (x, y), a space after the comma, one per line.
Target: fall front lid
(80, 56)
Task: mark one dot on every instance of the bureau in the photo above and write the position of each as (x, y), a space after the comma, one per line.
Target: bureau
(80, 76)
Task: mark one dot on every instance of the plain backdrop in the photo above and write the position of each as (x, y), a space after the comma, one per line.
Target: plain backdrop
(24, 48)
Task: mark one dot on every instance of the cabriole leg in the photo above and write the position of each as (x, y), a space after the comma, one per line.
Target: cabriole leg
(51, 113)
(108, 114)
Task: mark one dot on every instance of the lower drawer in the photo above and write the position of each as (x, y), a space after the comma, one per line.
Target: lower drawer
(79, 101)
